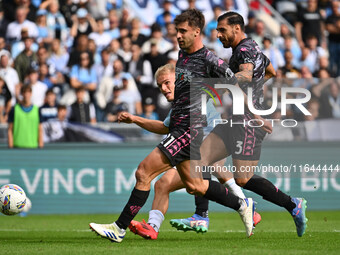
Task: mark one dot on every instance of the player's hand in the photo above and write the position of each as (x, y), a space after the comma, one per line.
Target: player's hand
(267, 125)
(125, 117)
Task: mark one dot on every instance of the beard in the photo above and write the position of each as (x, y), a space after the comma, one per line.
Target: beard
(230, 41)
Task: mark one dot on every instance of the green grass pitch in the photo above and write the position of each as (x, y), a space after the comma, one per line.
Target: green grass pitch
(41, 234)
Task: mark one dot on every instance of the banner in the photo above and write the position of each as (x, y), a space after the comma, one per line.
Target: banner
(63, 131)
(98, 178)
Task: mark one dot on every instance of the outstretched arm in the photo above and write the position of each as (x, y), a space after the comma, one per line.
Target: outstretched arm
(154, 126)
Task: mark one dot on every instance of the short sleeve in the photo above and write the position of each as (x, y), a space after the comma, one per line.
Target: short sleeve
(266, 61)
(137, 96)
(246, 55)
(40, 116)
(93, 75)
(74, 72)
(300, 14)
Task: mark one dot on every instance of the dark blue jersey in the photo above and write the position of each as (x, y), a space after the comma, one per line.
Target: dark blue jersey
(190, 68)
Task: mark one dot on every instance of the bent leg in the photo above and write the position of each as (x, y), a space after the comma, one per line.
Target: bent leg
(211, 190)
(260, 185)
(213, 150)
(244, 170)
(169, 182)
(225, 177)
(154, 164)
(215, 191)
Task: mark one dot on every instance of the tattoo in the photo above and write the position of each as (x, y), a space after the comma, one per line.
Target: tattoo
(246, 73)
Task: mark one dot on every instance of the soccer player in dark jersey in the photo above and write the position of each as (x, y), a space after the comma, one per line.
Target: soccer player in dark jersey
(171, 181)
(252, 69)
(182, 145)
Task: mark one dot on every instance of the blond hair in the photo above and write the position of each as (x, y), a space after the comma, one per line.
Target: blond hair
(168, 68)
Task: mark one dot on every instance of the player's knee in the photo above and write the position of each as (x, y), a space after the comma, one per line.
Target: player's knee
(199, 192)
(194, 189)
(141, 175)
(190, 188)
(161, 186)
(205, 160)
(241, 181)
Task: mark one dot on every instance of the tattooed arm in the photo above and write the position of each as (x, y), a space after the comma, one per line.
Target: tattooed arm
(246, 73)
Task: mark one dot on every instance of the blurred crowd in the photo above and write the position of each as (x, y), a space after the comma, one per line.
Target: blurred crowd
(90, 59)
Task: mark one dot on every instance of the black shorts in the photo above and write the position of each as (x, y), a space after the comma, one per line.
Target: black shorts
(241, 142)
(182, 144)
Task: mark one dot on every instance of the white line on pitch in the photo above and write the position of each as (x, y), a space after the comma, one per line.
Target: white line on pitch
(42, 230)
(167, 230)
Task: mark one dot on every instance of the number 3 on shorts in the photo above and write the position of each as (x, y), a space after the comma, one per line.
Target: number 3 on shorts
(239, 147)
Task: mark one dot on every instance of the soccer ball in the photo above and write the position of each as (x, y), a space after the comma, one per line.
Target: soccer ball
(28, 205)
(12, 199)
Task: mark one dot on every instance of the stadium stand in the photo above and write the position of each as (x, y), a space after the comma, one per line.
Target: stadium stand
(301, 38)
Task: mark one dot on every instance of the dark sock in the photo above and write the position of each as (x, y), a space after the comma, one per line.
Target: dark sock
(202, 205)
(135, 203)
(220, 194)
(268, 191)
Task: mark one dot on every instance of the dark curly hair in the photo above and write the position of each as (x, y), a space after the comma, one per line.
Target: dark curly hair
(194, 18)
